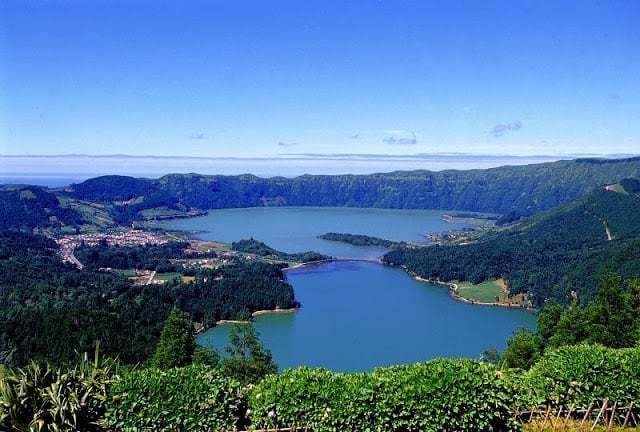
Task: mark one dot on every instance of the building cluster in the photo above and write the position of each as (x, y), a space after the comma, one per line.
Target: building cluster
(214, 260)
(68, 243)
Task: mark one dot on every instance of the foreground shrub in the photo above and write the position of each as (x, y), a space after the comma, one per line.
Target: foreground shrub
(43, 398)
(193, 398)
(577, 375)
(441, 395)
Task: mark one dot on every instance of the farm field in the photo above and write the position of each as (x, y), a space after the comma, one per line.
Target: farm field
(486, 292)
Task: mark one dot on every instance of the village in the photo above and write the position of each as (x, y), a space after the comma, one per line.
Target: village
(69, 243)
(201, 254)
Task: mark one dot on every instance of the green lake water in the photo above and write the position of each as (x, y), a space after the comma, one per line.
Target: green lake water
(357, 315)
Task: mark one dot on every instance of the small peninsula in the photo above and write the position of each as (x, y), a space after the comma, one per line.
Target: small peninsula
(360, 240)
(260, 249)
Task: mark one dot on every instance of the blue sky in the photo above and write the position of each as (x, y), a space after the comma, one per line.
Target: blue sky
(263, 78)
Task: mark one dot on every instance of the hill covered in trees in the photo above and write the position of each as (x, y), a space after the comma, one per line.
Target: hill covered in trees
(148, 257)
(513, 191)
(51, 310)
(555, 254)
(28, 207)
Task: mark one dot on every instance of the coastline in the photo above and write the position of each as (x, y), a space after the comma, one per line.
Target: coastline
(453, 288)
(275, 311)
(231, 322)
(189, 214)
(258, 313)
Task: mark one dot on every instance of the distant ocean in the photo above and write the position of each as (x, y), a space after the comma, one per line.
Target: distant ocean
(57, 171)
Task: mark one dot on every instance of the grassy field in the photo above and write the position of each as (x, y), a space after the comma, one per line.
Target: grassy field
(167, 276)
(126, 273)
(486, 292)
(97, 214)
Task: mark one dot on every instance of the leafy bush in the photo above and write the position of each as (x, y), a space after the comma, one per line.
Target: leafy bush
(523, 349)
(578, 375)
(41, 398)
(461, 395)
(193, 398)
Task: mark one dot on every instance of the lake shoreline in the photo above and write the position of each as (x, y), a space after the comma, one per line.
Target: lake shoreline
(292, 265)
(258, 313)
(453, 288)
(347, 309)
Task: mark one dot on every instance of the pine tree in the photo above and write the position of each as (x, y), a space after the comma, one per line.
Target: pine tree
(177, 343)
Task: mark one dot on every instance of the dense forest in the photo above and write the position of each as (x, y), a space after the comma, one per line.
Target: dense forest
(51, 310)
(256, 247)
(610, 320)
(148, 257)
(552, 255)
(358, 239)
(513, 191)
(28, 207)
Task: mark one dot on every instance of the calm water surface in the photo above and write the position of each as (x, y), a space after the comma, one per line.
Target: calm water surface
(357, 315)
(295, 229)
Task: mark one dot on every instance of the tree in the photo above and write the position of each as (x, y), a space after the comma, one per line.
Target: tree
(492, 356)
(205, 356)
(523, 349)
(548, 320)
(177, 343)
(248, 360)
(610, 320)
(574, 326)
(614, 319)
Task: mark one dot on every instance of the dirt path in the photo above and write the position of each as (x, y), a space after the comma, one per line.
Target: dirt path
(608, 231)
(72, 258)
(151, 276)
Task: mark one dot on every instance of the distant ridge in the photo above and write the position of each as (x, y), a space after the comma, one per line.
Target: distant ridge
(516, 191)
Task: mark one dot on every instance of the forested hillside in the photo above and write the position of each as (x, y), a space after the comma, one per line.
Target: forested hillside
(51, 310)
(28, 207)
(511, 190)
(128, 257)
(566, 249)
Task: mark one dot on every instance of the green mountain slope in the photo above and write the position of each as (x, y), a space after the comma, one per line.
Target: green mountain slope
(511, 190)
(549, 255)
(28, 207)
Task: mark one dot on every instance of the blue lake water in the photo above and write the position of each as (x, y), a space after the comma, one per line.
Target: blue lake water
(296, 229)
(357, 315)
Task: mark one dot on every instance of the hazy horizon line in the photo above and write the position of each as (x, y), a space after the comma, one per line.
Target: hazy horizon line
(330, 156)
